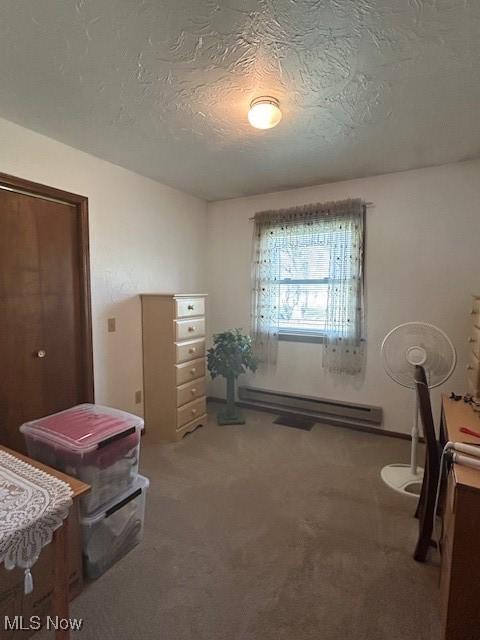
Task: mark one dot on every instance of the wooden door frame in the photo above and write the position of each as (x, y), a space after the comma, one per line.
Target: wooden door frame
(81, 204)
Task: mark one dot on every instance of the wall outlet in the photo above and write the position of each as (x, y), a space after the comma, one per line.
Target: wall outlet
(138, 397)
(111, 324)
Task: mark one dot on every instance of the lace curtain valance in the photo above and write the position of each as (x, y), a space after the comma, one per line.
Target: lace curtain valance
(33, 504)
(336, 230)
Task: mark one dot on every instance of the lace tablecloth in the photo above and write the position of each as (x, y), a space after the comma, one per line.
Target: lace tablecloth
(32, 505)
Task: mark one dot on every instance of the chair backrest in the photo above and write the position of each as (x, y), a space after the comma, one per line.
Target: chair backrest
(426, 503)
(425, 408)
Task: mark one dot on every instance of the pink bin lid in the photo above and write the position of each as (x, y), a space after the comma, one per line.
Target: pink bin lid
(82, 428)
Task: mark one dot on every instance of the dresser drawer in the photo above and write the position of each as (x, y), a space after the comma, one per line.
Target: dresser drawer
(190, 350)
(191, 411)
(185, 307)
(191, 391)
(189, 371)
(474, 340)
(473, 375)
(475, 313)
(185, 329)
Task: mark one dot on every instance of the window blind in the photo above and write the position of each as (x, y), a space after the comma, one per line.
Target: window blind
(304, 267)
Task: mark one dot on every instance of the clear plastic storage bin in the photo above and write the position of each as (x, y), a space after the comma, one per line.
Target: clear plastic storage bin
(96, 444)
(110, 533)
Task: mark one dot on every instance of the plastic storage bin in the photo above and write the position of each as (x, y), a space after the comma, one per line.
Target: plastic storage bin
(96, 444)
(110, 533)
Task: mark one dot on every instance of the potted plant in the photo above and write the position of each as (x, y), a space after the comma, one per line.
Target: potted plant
(231, 355)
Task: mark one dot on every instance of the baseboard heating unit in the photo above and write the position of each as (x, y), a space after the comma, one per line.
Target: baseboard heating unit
(344, 414)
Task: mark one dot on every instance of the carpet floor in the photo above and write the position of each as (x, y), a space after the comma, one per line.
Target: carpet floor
(261, 532)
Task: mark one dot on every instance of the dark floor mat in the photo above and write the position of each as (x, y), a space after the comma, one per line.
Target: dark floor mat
(297, 422)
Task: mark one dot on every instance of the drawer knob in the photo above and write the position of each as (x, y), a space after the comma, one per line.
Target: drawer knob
(41, 353)
(469, 367)
(192, 350)
(194, 411)
(191, 329)
(471, 339)
(192, 371)
(193, 392)
(190, 307)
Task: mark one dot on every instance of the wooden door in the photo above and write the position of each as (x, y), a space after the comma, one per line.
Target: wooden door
(45, 344)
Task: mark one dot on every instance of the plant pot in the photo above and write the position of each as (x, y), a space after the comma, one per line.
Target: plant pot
(230, 414)
(223, 418)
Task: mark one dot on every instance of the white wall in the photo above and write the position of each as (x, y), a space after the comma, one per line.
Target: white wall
(144, 237)
(422, 263)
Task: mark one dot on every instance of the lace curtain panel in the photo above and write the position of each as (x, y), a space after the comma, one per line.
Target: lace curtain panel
(33, 504)
(308, 273)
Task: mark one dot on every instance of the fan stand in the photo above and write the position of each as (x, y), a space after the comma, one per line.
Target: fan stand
(406, 478)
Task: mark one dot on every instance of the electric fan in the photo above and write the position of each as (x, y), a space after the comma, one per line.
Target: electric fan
(410, 344)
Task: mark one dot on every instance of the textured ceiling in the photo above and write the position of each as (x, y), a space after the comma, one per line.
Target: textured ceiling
(163, 86)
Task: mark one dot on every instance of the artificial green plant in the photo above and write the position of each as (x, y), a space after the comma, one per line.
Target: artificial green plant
(230, 356)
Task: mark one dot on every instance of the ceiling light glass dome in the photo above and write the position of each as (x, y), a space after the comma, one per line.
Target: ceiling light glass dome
(264, 112)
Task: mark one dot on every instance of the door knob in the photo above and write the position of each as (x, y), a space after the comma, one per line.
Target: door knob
(41, 353)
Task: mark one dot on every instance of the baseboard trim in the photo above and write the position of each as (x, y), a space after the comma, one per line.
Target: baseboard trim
(277, 411)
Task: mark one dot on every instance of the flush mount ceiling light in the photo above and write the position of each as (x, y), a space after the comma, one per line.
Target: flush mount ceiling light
(264, 112)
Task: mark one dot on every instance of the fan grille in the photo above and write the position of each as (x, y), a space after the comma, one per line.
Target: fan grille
(418, 343)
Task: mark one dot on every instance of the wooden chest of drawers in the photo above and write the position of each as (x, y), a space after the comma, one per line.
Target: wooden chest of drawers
(173, 364)
(460, 544)
(473, 366)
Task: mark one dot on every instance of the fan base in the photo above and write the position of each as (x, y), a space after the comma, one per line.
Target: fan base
(400, 478)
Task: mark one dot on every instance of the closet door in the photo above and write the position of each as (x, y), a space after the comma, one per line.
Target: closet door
(43, 328)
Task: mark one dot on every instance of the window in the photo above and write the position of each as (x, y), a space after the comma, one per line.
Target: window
(305, 277)
(308, 281)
